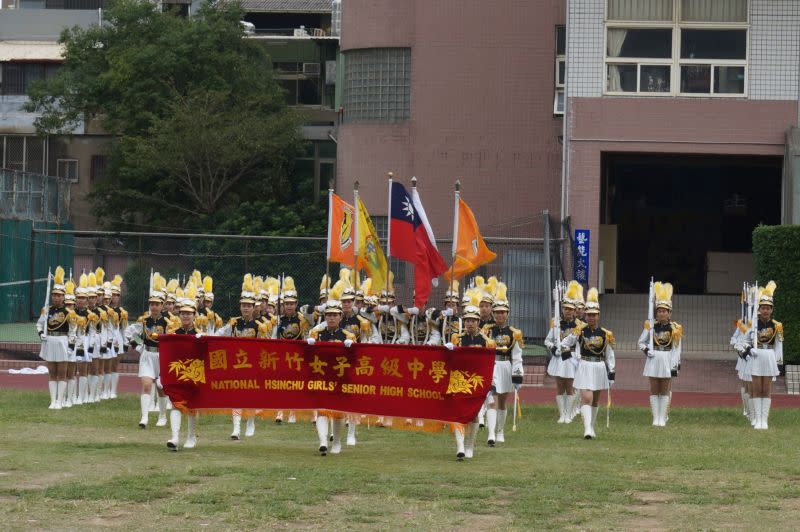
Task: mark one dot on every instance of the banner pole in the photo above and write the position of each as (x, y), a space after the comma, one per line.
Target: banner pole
(356, 250)
(455, 233)
(330, 232)
(389, 232)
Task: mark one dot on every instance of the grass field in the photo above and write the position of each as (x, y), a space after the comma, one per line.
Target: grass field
(91, 467)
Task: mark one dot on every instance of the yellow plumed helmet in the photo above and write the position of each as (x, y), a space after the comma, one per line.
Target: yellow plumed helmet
(273, 286)
(390, 284)
(452, 291)
(473, 300)
(69, 287)
(180, 294)
(593, 301)
(336, 290)
(208, 284)
(767, 294)
(92, 280)
(479, 282)
(172, 286)
(100, 274)
(491, 285)
(288, 284)
(345, 275)
(366, 286)
(190, 292)
(116, 284)
(83, 282)
(324, 285)
(258, 284)
(58, 276)
(663, 295)
(500, 297)
(247, 283)
(159, 283)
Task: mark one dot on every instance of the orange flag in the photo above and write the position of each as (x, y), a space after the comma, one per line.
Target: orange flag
(341, 243)
(470, 249)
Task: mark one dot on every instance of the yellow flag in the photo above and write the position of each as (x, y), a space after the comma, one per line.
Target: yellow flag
(370, 254)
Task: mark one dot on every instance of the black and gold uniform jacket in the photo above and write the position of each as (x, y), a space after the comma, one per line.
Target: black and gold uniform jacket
(509, 343)
(465, 339)
(321, 333)
(594, 344)
(293, 327)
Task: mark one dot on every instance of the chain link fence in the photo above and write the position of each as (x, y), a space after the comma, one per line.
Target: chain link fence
(527, 265)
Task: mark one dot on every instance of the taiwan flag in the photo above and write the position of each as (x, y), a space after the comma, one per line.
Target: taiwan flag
(411, 239)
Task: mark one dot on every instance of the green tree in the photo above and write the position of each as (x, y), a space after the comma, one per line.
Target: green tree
(197, 121)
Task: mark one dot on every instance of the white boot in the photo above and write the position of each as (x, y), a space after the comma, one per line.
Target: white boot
(491, 426)
(663, 406)
(501, 425)
(338, 428)
(746, 402)
(237, 424)
(751, 407)
(61, 394)
(575, 405)
(144, 402)
(743, 393)
(766, 402)
(98, 389)
(91, 388)
(654, 409)
(114, 382)
(250, 426)
(70, 393)
(458, 432)
(351, 432)
(586, 414)
(757, 413)
(322, 433)
(191, 436)
(594, 420)
(83, 385)
(53, 385)
(175, 426)
(162, 412)
(666, 410)
(562, 408)
(154, 400)
(470, 436)
(482, 416)
(106, 387)
(292, 417)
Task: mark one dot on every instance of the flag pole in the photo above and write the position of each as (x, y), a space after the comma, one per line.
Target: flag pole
(455, 232)
(389, 232)
(356, 251)
(330, 232)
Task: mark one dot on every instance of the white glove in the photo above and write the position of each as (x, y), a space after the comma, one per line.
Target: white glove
(158, 383)
(311, 341)
(304, 309)
(414, 311)
(447, 312)
(347, 343)
(383, 308)
(320, 308)
(198, 335)
(449, 346)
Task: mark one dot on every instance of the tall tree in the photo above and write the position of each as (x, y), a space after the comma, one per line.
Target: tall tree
(197, 121)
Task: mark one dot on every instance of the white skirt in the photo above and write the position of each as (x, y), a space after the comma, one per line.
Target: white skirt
(149, 365)
(591, 376)
(743, 369)
(108, 354)
(764, 363)
(501, 380)
(55, 349)
(659, 365)
(563, 369)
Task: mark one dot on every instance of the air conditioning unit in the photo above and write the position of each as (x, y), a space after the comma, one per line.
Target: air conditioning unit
(312, 69)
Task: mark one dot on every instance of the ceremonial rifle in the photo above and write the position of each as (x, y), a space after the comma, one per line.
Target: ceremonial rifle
(651, 303)
(47, 305)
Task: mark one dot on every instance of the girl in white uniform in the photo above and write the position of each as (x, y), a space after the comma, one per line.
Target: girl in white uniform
(762, 346)
(562, 363)
(662, 361)
(594, 348)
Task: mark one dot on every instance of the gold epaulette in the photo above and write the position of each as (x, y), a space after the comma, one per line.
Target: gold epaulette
(349, 335)
(489, 342)
(103, 315)
(677, 330)
(93, 317)
(142, 318)
(578, 328)
(518, 336)
(455, 339)
(44, 311)
(742, 326)
(779, 329)
(365, 324)
(123, 314)
(72, 317)
(264, 328)
(552, 322)
(232, 321)
(646, 325)
(609, 336)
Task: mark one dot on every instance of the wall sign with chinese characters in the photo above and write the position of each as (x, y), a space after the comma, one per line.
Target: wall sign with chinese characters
(581, 256)
(419, 382)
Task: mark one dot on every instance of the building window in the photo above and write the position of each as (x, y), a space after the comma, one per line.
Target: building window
(25, 153)
(16, 77)
(378, 85)
(561, 69)
(67, 169)
(301, 82)
(97, 171)
(680, 47)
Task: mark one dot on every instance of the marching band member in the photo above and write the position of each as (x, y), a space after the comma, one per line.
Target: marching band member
(112, 322)
(82, 338)
(292, 325)
(331, 332)
(57, 331)
(508, 371)
(470, 337)
(487, 299)
(595, 351)
(186, 314)
(214, 319)
(170, 298)
(562, 366)
(245, 326)
(445, 322)
(72, 364)
(763, 345)
(662, 362)
(122, 324)
(146, 332)
(367, 309)
(99, 340)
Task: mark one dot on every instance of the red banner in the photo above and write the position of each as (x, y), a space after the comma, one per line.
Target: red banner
(405, 381)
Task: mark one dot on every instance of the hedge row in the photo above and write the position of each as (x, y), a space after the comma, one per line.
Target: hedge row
(776, 250)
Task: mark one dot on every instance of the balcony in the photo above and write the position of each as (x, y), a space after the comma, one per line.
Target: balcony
(42, 24)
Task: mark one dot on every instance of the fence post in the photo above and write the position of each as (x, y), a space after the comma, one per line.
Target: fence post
(32, 272)
(546, 216)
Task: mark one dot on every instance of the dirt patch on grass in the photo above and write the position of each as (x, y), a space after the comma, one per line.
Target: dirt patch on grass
(39, 481)
(653, 497)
